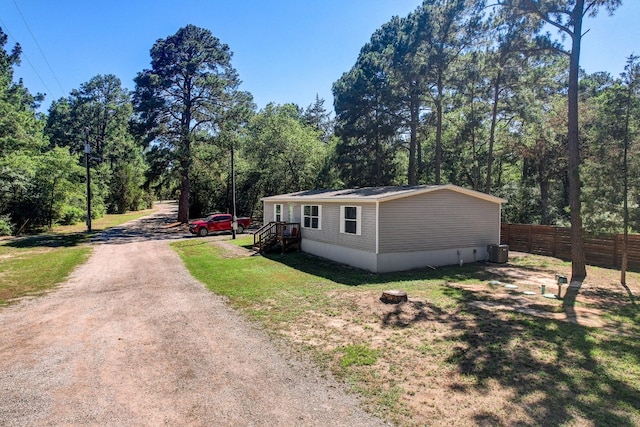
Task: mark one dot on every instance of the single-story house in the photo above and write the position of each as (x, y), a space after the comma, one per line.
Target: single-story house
(384, 229)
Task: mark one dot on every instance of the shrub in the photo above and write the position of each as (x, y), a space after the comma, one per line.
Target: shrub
(6, 227)
(71, 215)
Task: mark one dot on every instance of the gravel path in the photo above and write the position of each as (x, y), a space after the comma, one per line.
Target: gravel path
(132, 339)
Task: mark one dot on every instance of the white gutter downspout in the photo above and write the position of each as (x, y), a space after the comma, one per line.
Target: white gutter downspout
(377, 227)
(499, 223)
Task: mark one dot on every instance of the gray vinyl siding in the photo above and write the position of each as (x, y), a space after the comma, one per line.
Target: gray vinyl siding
(438, 220)
(330, 223)
(267, 212)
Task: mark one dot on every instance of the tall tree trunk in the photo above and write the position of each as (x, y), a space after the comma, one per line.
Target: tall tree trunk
(378, 153)
(625, 199)
(438, 102)
(377, 161)
(475, 168)
(578, 261)
(185, 159)
(625, 235)
(420, 161)
(415, 109)
(492, 131)
(183, 202)
(53, 194)
(545, 217)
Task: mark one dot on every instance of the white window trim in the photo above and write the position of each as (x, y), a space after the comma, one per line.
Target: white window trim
(302, 215)
(275, 212)
(358, 220)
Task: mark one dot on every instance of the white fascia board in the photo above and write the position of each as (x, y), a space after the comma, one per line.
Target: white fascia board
(316, 201)
(450, 187)
(377, 199)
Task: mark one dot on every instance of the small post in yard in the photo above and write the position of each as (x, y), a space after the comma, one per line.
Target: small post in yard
(87, 151)
(562, 280)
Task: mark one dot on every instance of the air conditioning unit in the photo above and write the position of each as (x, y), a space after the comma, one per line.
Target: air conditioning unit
(498, 253)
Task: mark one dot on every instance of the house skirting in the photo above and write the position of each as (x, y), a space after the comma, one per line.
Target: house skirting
(353, 257)
(401, 261)
(398, 261)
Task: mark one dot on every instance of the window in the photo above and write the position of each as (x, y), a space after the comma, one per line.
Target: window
(351, 220)
(311, 216)
(277, 213)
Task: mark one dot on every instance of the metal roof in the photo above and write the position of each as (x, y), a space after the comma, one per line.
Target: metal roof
(375, 194)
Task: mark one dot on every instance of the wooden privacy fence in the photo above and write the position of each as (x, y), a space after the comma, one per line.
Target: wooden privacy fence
(602, 250)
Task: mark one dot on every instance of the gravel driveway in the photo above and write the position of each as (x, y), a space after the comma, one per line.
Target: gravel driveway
(132, 339)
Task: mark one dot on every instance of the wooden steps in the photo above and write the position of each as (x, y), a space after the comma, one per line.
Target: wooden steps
(285, 235)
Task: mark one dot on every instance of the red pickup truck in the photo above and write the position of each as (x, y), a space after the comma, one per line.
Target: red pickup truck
(217, 222)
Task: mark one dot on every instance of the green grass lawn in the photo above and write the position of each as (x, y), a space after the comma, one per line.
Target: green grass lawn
(32, 265)
(103, 223)
(436, 360)
(29, 272)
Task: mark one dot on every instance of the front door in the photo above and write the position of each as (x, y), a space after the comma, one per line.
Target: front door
(290, 206)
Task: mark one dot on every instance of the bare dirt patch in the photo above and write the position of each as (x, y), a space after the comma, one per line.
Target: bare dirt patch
(601, 290)
(229, 250)
(414, 340)
(465, 364)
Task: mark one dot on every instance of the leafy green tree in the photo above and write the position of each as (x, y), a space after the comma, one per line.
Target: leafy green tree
(446, 30)
(60, 190)
(407, 69)
(612, 161)
(210, 179)
(630, 135)
(20, 126)
(211, 168)
(468, 154)
(602, 155)
(542, 139)
(63, 128)
(98, 114)
(329, 175)
(408, 64)
(21, 145)
(567, 16)
(512, 48)
(185, 94)
(367, 115)
(286, 154)
(316, 115)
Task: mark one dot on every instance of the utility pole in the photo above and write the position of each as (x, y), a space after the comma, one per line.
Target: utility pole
(87, 152)
(234, 226)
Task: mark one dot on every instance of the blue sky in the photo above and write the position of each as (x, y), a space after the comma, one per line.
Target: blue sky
(284, 50)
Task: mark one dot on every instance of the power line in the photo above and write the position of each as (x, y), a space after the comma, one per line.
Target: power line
(39, 48)
(25, 56)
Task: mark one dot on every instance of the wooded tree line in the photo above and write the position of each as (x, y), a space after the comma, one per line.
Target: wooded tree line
(464, 86)
(169, 138)
(454, 92)
(460, 93)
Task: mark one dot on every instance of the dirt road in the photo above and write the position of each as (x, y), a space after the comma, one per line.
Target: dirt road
(133, 339)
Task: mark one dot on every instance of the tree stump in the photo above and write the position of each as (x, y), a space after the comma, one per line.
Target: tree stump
(393, 297)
